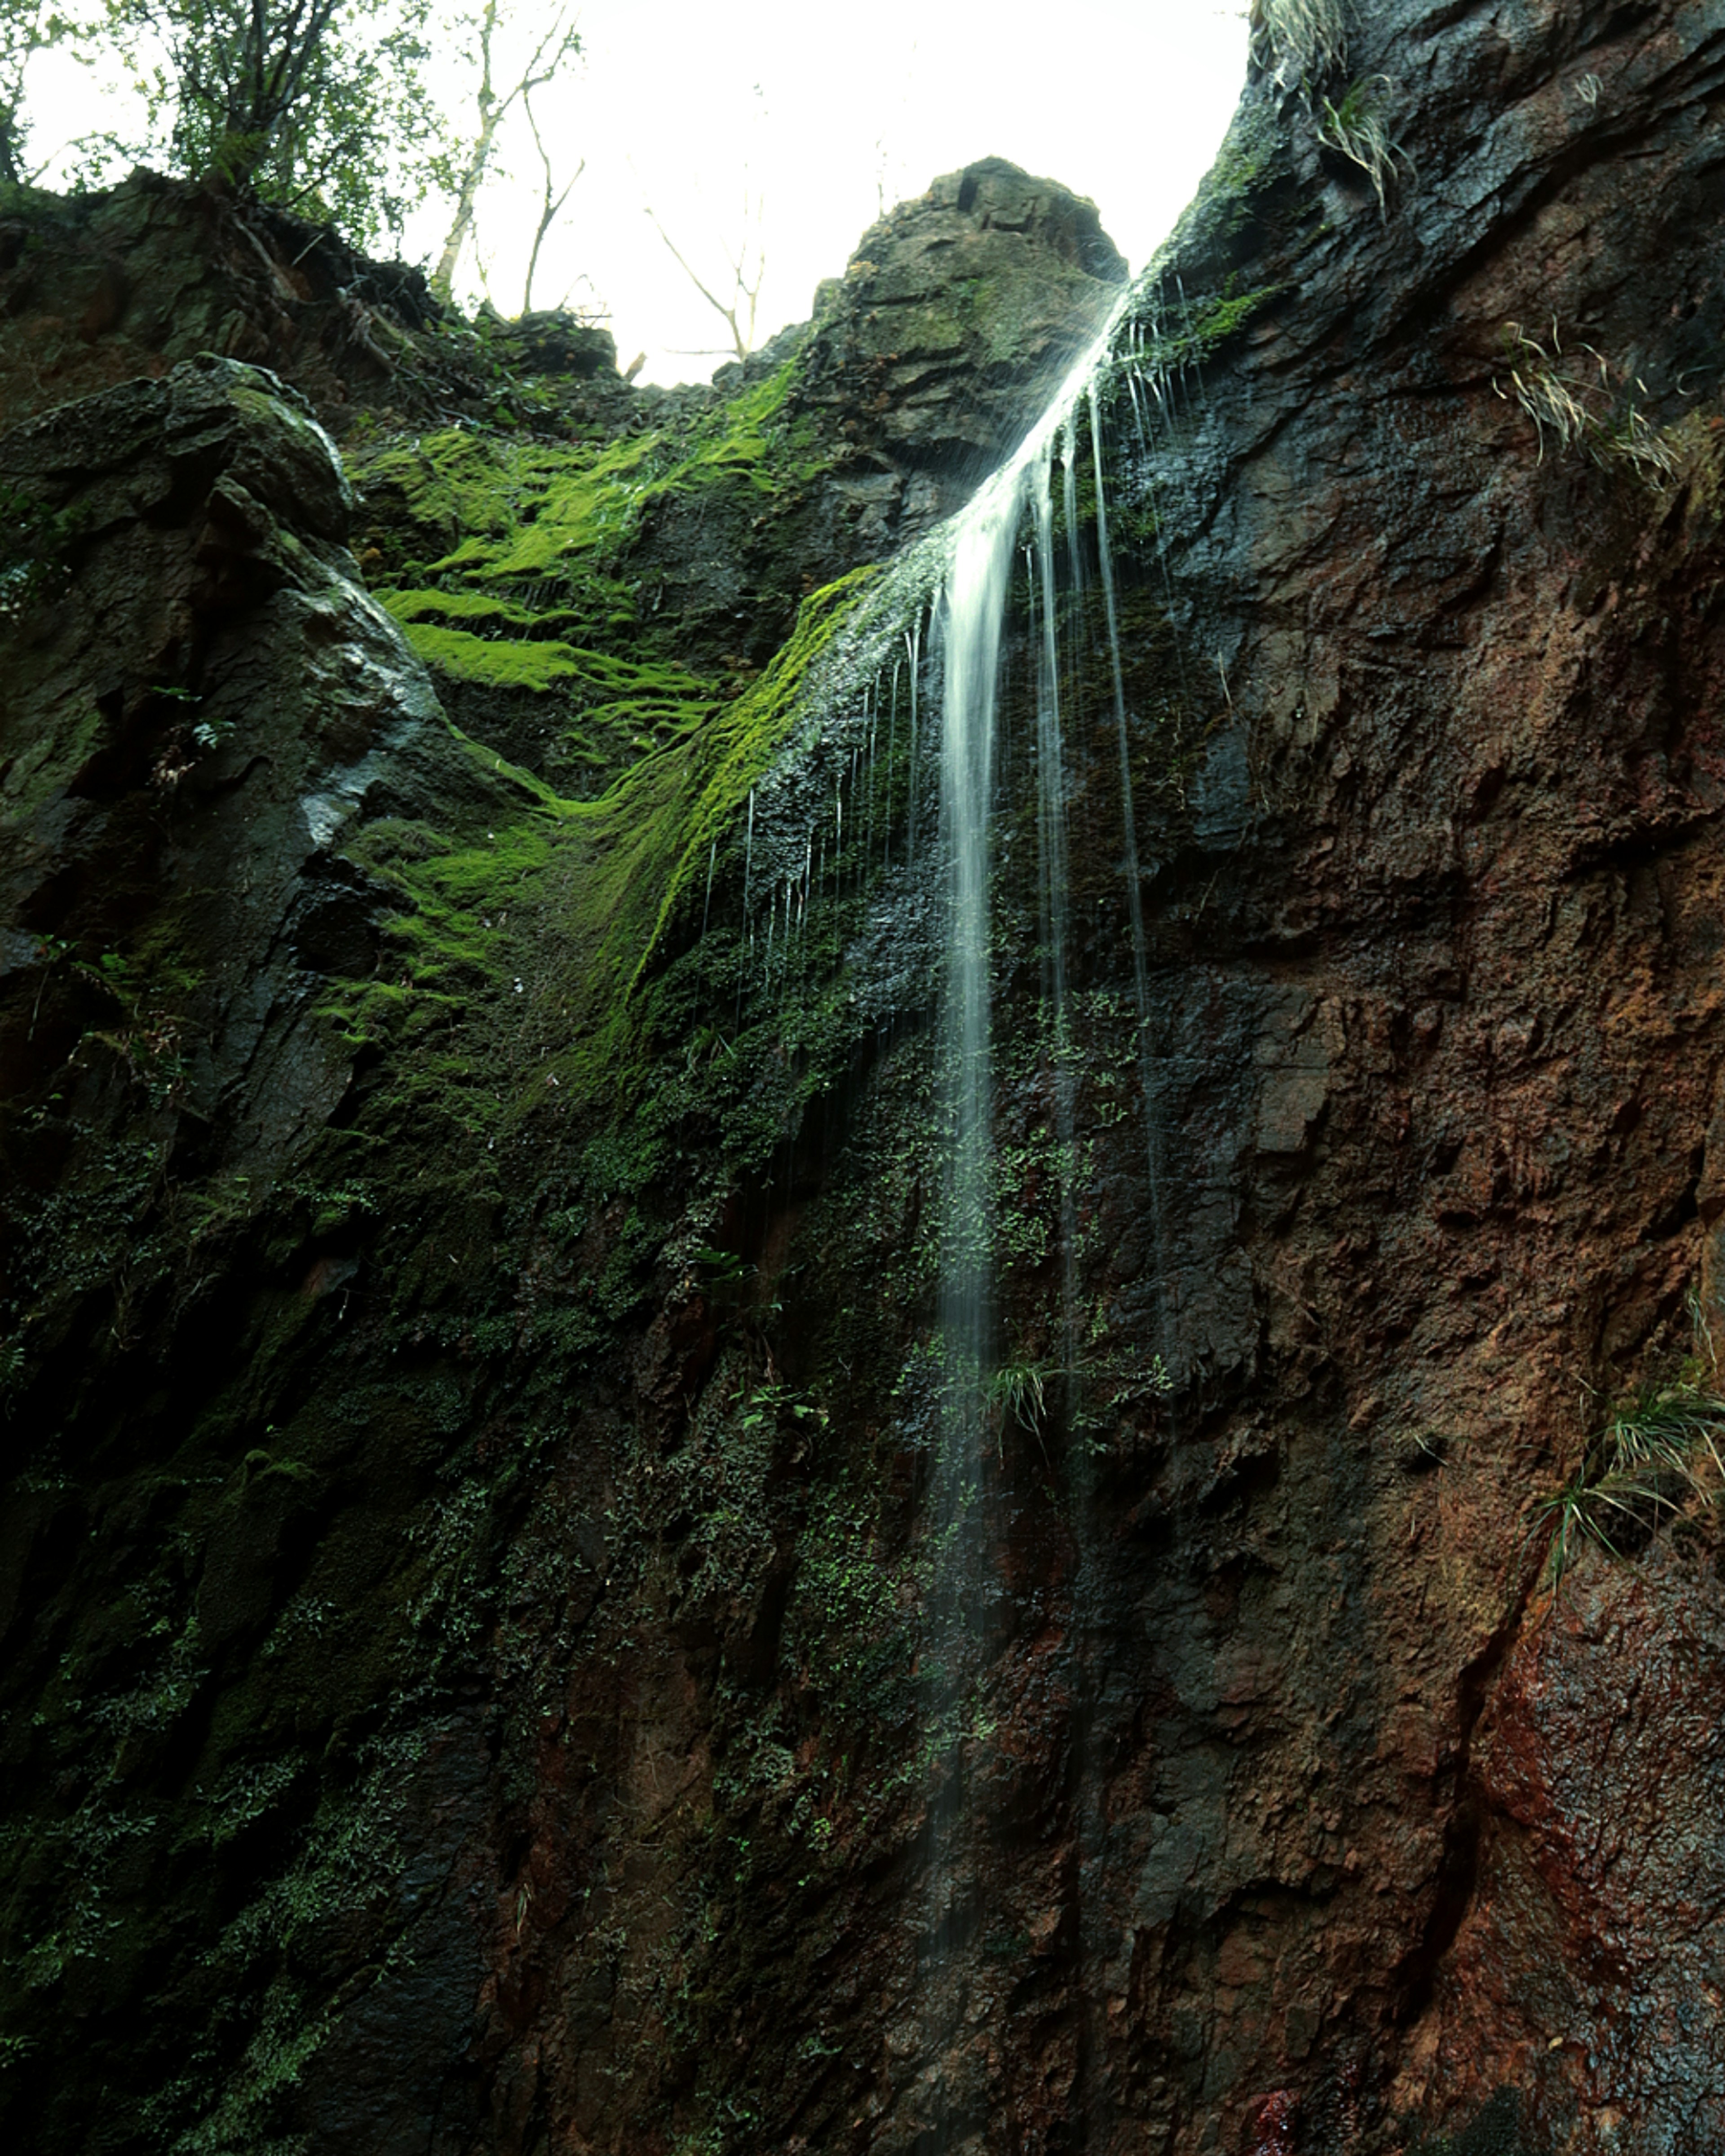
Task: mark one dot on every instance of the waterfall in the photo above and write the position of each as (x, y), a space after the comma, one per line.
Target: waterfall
(970, 615)
(1134, 891)
(1053, 840)
(911, 819)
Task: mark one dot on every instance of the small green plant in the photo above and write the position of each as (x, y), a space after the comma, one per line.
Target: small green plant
(35, 542)
(1575, 402)
(1355, 129)
(1015, 1393)
(765, 1404)
(1659, 1454)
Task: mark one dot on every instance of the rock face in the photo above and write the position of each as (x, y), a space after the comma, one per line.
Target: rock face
(471, 1304)
(132, 282)
(955, 311)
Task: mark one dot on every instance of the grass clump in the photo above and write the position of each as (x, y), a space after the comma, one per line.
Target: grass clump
(1582, 402)
(1299, 42)
(1660, 1454)
(1017, 1393)
(1355, 129)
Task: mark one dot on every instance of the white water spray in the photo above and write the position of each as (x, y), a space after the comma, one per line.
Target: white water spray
(971, 617)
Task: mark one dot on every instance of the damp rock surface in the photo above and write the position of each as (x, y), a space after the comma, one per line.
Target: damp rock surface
(953, 312)
(472, 1196)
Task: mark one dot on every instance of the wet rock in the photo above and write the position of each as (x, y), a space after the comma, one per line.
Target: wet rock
(463, 1655)
(955, 314)
(202, 702)
(141, 277)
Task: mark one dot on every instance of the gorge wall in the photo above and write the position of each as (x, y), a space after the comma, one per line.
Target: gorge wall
(471, 1178)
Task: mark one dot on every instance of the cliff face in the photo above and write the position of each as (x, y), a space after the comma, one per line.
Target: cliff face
(472, 1349)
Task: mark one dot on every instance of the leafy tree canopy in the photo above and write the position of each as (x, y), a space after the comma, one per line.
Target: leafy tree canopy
(312, 104)
(27, 28)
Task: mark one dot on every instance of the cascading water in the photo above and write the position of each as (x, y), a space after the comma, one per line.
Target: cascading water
(914, 922)
(971, 614)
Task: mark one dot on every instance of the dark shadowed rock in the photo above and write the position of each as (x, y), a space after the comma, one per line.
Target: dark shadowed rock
(201, 704)
(554, 343)
(136, 279)
(473, 1366)
(955, 311)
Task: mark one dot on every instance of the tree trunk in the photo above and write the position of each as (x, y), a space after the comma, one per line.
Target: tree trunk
(490, 112)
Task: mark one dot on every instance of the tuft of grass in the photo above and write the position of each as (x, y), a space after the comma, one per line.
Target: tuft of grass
(1576, 402)
(1299, 42)
(1659, 1453)
(1015, 1392)
(1355, 129)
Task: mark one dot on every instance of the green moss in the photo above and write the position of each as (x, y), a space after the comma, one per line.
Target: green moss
(1200, 329)
(628, 695)
(1254, 154)
(45, 764)
(744, 743)
(537, 513)
(478, 609)
(500, 663)
(456, 480)
(541, 966)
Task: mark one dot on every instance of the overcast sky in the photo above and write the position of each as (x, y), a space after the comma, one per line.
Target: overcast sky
(818, 115)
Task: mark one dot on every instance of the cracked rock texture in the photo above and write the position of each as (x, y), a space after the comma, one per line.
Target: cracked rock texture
(463, 1564)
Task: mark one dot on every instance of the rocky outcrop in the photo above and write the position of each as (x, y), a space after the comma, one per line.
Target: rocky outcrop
(97, 289)
(955, 312)
(471, 1291)
(202, 711)
(579, 600)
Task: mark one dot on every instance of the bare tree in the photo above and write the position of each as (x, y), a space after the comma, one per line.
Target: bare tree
(549, 204)
(560, 43)
(747, 262)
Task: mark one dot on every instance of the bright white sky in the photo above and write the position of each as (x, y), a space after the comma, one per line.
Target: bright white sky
(823, 114)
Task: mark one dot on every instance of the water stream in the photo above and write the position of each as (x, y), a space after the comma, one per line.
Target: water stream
(976, 1389)
(916, 912)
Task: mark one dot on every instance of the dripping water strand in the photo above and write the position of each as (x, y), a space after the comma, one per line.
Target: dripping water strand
(1134, 890)
(1055, 879)
(970, 620)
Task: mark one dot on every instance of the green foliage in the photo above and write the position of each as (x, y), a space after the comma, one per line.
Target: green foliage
(316, 104)
(34, 540)
(1014, 1393)
(27, 28)
(850, 1629)
(1659, 1454)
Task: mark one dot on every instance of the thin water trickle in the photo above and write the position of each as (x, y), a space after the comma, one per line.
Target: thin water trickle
(1134, 888)
(913, 648)
(1055, 879)
(972, 567)
(891, 755)
(971, 618)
